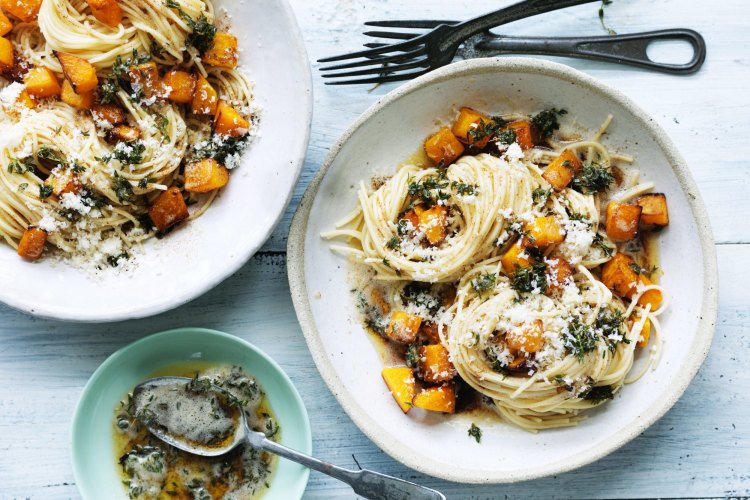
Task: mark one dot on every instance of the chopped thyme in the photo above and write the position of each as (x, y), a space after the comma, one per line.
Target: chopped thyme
(162, 122)
(482, 131)
(108, 90)
(45, 191)
(507, 136)
(541, 195)
(546, 122)
(122, 188)
(464, 189)
(412, 355)
(16, 166)
(127, 153)
(483, 283)
(393, 243)
(598, 393)
(599, 243)
(220, 149)
(114, 260)
(531, 278)
(579, 339)
(430, 190)
(23, 186)
(592, 179)
(475, 432)
(202, 32)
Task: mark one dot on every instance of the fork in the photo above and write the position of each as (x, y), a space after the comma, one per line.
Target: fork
(631, 49)
(430, 50)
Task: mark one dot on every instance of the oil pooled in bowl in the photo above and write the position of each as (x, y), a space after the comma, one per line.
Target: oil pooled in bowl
(152, 469)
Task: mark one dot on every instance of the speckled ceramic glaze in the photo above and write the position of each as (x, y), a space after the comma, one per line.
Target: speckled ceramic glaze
(389, 132)
(200, 254)
(92, 447)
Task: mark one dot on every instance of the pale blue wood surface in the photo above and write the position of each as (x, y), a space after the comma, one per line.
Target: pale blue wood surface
(701, 448)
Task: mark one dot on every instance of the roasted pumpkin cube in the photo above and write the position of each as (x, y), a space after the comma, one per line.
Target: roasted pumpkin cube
(205, 175)
(560, 172)
(107, 115)
(125, 133)
(543, 232)
(429, 332)
(529, 338)
(514, 258)
(618, 275)
(649, 297)
(654, 209)
(223, 53)
(403, 327)
(145, 78)
(434, 364)
(79, 72)
(41, 82)
(63, 181)
(5, 25)
(412, 217)
(205, 99)
(473, 127)
(25, 10)
(106, 11)
(622, 221)
(433, 222)
(645, 331)
(25, 99)
(522, 130)
(7, 55)
(443, 148)
(229, 122)
(168, 209)
(82, 100)
(32, 243)
(401, 383)
(179, 86)
(559, 272)
(440, 398)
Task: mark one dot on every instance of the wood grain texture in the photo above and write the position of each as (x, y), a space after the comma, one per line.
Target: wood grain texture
(700, 449)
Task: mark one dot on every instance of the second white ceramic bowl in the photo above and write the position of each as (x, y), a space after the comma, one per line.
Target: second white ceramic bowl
(392, 130)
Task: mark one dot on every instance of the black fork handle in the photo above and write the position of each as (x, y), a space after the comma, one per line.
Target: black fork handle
(515, 12)
(624, 49)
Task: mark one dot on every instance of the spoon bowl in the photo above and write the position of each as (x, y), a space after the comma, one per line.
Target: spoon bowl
(216, 425)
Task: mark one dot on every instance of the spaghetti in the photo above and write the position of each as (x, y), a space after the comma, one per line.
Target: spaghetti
(499, 274)
(96, 172)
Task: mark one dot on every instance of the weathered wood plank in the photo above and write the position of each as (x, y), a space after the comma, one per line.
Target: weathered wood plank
(697, 450)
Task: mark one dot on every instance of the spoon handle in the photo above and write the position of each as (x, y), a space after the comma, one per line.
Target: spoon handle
(367, 483)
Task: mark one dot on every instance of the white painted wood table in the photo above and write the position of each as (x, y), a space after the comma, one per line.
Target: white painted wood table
(701, 448)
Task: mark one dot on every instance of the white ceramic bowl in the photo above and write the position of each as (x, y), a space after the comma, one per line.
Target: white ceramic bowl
(389, 132)
(199, 255)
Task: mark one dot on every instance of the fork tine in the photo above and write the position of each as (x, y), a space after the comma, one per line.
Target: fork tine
(381, 70)
(408, 24)
(391, 34)
(403, 56)
(381, 79)
(371, 52)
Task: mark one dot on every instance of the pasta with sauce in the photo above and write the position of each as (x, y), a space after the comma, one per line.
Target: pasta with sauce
(493, 270)
(116, 116)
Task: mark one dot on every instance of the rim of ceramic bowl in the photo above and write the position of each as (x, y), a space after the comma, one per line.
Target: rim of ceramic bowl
(116, 356)
(375, 431)
(58, 313)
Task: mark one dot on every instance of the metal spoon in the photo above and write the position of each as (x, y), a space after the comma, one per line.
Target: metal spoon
(367, 483)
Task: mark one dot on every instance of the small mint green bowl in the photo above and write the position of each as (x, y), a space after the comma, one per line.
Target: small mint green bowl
(94, 463)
